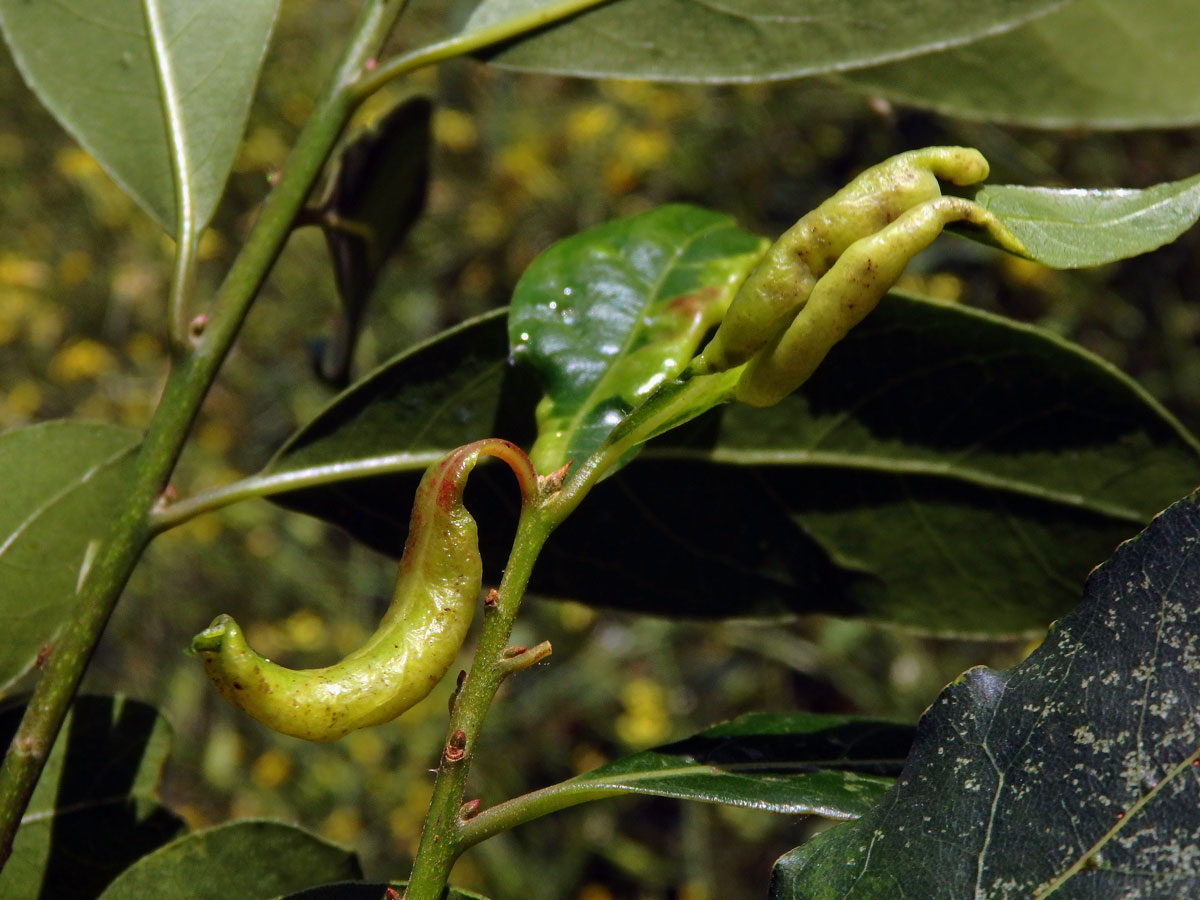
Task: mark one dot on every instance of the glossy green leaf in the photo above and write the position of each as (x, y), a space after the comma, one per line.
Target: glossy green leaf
(244, 860)
(1073, 228)
(1092, 63)
(376, 195)
(1071, 775)
(157, 90)
(62, 481)
(798, 764)
(743, 40)
(945, 469)
(606, 315)
(94, 811)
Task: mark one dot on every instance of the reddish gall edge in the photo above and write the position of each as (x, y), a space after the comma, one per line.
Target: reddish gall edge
(416, 641)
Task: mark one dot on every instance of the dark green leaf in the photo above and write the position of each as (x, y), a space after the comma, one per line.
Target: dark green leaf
(361, 890)
(744, 40)
(945, 469)
(94, 811)
(151, 103)
(1073, 228)
(62, 481)
(375, 197)
(606, 315)
(245, 860)
(1072, 774)
(1093, 63)
(407, 414)
(801, 763)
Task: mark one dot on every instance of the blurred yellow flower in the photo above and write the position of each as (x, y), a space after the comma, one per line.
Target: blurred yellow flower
(366, 748)
(211, 245)
(16, 271)
(525, 164)
(587, 123)
(143, 348)
(263, 150)
(215, 437)
(644, 148)
(455, 130)
(575, 616)
(261, 541)
(486, 223)
(22, 402)
(75, 163)
(938, 285)
(343, 825)
(305, 630)
(271, 769)
(81, 360)
(1026, 272)
(645, 721)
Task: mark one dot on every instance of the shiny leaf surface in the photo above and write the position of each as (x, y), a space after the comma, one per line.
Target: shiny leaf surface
(1074, 228)
(797, 764)
(606, 315)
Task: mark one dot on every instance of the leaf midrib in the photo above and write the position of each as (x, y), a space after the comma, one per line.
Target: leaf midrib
(600, 392)
(173, 119)
(893, 466)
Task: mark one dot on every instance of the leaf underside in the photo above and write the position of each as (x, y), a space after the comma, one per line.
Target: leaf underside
(151, 102)
(374, 199)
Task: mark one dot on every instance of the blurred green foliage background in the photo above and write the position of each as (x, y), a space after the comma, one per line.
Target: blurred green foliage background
(519, 161)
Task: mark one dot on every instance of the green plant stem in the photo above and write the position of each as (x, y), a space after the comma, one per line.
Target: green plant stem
(528, 807)
(446, 835)
(166, 517)
(441, 841)
(478, 39)
(186, 388)
(672, 404)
